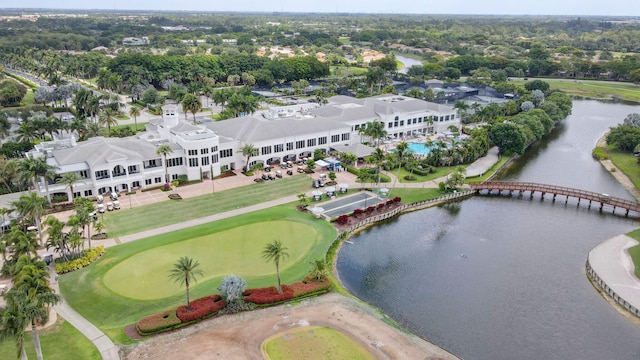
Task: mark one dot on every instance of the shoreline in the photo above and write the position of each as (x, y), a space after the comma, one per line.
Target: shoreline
(618, 174)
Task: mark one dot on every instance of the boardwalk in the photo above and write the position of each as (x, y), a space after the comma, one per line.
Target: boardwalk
(554, 191)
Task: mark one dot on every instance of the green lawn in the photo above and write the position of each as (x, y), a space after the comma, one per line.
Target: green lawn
(412, 195)
(344, 40)
(439, 172)
(29, 98)
(235, 250)
(85, 290)
(59, 342)
(634, 252)
(130, 126)
(342, 71)
(170, 212)
(123, 117)
(314, 343)
(627, 163)
(595, 89)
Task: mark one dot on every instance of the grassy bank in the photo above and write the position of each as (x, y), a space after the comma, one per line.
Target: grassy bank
(595, 89)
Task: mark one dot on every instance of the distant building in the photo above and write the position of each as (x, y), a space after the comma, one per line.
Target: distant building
(133, 41)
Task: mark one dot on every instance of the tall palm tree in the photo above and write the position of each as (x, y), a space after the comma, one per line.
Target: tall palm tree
(220, 97)
(275, 252)
(108, 118)
(462, 107)
(401, 153)
(191, 103)
(32, 205)
(164, 150)
(375, 130)
(4, 212)
(14, 322)
(185, 271)
(69, 179)
(35, 303)
(248, 150)
(377, 157)
(135, 112)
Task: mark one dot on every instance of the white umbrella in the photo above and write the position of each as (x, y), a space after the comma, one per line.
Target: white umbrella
(331, 189)
(316, 193)
(343, 186)
(384, 190)
(317, 210)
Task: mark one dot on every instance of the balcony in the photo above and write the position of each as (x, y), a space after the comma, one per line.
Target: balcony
(115, 175)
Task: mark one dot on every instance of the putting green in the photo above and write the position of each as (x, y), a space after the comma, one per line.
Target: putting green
(144, 276)
(313, 343)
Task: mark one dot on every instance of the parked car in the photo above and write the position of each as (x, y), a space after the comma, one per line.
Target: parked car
(116, 205)
(265, 177)
(109, 206)
(99, 199)
(114, 196)
(101, 208)
(279, 174)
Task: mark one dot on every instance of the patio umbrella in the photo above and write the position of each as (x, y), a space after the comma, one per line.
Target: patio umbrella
(331, 189)
(317, 211)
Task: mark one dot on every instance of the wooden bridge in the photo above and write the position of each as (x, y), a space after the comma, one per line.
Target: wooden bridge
(544, 189)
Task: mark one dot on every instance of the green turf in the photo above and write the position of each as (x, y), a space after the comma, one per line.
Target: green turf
(411, 195)
(313, 343)
(163, 213)
(626, 162)
(634, 251)
(59, 342)
(130, 126)
(87, 293)
(595, 89)
(438, 173)
(144, 276)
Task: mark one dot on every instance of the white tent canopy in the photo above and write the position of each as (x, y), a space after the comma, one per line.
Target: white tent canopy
(322, 163)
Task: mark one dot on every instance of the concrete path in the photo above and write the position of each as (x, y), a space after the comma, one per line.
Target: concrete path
(483, 164)
(613, 264)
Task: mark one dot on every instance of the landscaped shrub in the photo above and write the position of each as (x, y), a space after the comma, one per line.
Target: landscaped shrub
(86, 259)
(357, 212)
(268, 295)
(380, 206)
(156, 323)
(389, 202)
(314, 287)
(201, 308)
(343, 219)
(397, 199)
(370, 209)
(600, 153)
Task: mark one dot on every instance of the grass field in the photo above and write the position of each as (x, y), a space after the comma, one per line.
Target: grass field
(171, 212)
(130, 126)
(439, 172)
(627, 163)
(595, 89)
(236, 250)
(343, 71)
(412, 195)
(634, 252)
(85, 290)
(59, 342)
(314, 343)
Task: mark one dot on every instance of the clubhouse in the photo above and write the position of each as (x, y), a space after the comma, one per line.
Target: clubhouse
(209, 148)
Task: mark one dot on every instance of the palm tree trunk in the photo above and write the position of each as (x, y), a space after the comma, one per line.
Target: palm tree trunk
(36, 340)
(188, 302)
(36, 219)
(23, 353)
(89, 233)
(278, 274)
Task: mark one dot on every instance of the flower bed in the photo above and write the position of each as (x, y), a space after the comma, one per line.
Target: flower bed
(89, 257)
(201, 308)
(153, 324)
(311, 287)
(268, 295)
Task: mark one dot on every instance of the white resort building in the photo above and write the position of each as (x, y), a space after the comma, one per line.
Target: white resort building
(209, 148)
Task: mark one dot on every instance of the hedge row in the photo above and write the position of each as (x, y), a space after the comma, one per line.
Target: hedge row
(201, 308)
(87, 258)
(210, 305)
(152, 324)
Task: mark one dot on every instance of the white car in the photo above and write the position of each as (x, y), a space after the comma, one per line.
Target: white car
(110, 206)
(116, 205)
(101, 208)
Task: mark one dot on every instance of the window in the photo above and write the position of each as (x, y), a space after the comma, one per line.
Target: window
(214, 149)
(102, 174)
(205, 160)
(174, 177)
(289, 146)
(135, 184)
(157, 180)
(395, 123)
(390, 125)
(345, 136)
(356, 127)
(446, 118)
(88, 192)
(193, 152)
(419, 120)
(193, 162)
(224, 168)
(152, 163)
(204, 151)
(401, 122)
(441, 118)
(147, 182)
(278, 148)
(174, 162)
(226, 153)
(133, 169)
(322, 140)
(335, 138)
(214, 158)
(299, 144)
(311, 142)
(266, 150)
(415, 120)
(84, 174)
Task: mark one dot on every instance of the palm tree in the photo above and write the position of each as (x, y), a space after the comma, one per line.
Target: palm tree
(69, 178)
(135, 112)
(221, 96)
(462, 107)
(108, 117)
(164, 150)
(375, 130)
(4, 212)
(185, 271)
(32, 205)
(275, 252)
(377, 157)
(35, 303)
(318, 269)
(402, 151)
(191, 103)
(248, 150)
(14, 322)
(303, 200)
(32, 168)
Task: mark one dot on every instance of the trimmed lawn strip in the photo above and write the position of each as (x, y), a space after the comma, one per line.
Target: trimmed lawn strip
(59, 342)
(313, 343)
(634, 252)
(85, 291)
(414, 195)
(439, 172)
(627, 163)
(594, 89)
(164, 213)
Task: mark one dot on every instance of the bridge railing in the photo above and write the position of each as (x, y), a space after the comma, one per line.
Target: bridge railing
(555, 189)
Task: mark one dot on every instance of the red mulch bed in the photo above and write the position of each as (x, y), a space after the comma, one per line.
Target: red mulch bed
(354, 220)
(132, 333)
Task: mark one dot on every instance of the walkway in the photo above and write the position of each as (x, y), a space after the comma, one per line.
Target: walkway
(613, 265)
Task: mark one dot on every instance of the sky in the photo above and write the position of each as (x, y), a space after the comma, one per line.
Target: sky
(486, 7)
